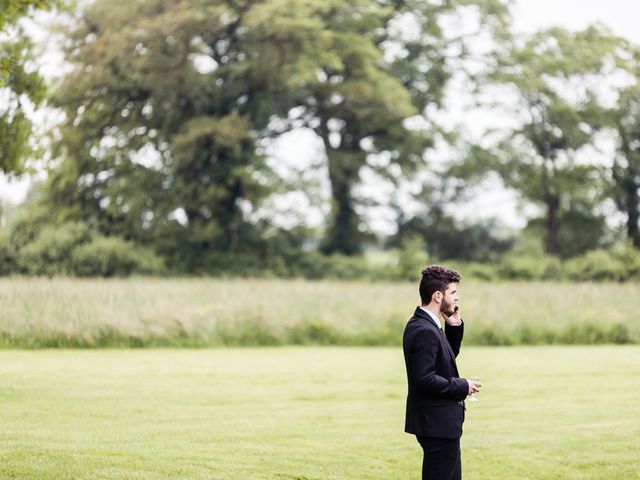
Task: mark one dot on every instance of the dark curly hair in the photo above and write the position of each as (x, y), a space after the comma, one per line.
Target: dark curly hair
(436, 279)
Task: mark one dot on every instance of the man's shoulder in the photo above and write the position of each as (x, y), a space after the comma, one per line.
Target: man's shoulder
(417, 324)
(419, 331)
(414, 322)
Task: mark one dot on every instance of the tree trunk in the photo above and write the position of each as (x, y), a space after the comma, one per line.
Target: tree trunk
(552, 246)
(344, 162)
(551, 200)
(633, 215)
(343, 235)
(625, 178)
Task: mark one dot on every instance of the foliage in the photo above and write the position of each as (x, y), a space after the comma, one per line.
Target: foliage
(444, 237)
(562, 111)
(70, 249)
(411, 258)
(153, 149)
(8, 254)
(33, 245)
(580, 230)
(49, 253)
(112, 256)
(170, 104)
(625, 170)
(618, 264)
(367, 78)
(18, 82)
(528, 267)
(11, 10)
(194, 86)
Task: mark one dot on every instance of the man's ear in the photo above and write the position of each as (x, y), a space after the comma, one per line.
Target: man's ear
(437, 296)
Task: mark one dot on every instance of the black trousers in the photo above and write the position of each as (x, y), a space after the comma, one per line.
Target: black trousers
(441, 459)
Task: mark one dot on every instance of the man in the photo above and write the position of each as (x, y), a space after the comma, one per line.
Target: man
(435, 402)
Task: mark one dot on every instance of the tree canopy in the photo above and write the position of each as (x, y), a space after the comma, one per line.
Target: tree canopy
(625, 171)
(169, 107)
(19, 81)
(198, 83)
(558, 76)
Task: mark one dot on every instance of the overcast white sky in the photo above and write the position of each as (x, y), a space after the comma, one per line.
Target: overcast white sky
(621, 16)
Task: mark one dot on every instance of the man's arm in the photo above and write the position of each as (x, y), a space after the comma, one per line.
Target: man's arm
(454, 331)
(454, 335)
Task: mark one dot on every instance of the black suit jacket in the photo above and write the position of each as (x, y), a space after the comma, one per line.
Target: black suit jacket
(435, 402)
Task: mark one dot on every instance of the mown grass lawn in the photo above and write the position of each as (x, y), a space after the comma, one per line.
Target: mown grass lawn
(310, 413)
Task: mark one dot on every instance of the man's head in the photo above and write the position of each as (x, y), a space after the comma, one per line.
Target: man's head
(438, 287)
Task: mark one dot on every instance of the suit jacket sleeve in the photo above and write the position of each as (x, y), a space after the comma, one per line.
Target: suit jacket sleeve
(454, 336)
(424, 366)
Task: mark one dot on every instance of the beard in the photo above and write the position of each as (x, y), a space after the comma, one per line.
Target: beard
(447, 308)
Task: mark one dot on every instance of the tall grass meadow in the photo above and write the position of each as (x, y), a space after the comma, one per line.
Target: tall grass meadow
(152, 312)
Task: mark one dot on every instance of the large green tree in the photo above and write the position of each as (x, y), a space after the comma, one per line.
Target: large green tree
(626, 165)
(19, 81)
(558, 77)
(157, 147)
(197, 83)
(362, 68)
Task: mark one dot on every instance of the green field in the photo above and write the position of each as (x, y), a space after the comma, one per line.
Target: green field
(309, 413)
(147, 312)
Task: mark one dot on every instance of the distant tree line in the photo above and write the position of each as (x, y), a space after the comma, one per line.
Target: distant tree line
(159, 164)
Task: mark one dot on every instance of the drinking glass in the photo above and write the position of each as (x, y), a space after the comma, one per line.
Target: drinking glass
(473, 397)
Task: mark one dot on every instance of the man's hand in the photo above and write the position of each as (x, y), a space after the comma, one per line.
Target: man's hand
(474, 387)
(454, 319)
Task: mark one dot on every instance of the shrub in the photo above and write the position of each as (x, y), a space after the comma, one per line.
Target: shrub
(474, 270)
(50, 251)
(316, 266)
(629, 256)
(343, 267)
(523, 267)
(598, 265)
(411, 258)
(112, 256)
(8, 254)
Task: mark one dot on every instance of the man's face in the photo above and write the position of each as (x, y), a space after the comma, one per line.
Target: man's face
(449, 300)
